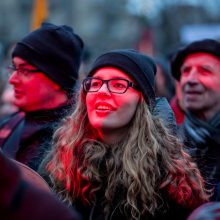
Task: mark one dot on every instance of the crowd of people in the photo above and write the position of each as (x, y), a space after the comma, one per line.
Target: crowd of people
(133, 139)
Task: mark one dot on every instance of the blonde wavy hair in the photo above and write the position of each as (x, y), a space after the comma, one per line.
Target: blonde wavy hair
(148, 160)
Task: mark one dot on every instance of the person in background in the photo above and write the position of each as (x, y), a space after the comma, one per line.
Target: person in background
(7, 101)
(22, 200)
(164, 83)
(6, 92)
(44, 72)
(197, 68)
(121, 161)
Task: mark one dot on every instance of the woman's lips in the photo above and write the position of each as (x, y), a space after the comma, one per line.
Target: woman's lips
(104, 106)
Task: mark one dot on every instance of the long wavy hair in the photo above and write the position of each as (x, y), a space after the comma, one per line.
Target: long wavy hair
(147, 161)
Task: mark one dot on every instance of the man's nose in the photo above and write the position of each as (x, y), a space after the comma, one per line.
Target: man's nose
(193, 76)
(13, 78)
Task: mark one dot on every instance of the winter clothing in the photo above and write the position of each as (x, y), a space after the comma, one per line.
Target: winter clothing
(138, 66)
(206, 46)
(164, 111)
(142, 70)
(208, 211)
(168, 210)
(203, 140)
(201, 137)
(32, 176)
(30, 138)
(54, 50)
(178, 112)
(166, 89)
(20, 199)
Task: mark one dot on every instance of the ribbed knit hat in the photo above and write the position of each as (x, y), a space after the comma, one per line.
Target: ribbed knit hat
(139, 67)
(206, 45)
(54, 50)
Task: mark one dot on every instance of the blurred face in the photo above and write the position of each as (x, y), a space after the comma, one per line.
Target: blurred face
(32, 90)
(200, 84)
(160, 82)
(107, 111)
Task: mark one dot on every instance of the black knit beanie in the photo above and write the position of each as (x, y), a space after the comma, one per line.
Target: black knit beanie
(138, 66)
(54, 50)
(206, 45)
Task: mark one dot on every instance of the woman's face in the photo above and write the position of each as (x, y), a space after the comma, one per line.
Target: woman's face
(109, 111)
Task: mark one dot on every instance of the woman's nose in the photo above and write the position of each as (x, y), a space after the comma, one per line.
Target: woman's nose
(104, 89)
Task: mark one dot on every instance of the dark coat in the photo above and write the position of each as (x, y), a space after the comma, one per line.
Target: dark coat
(169, 210)
(20, 200)
(30, 134)
(202, 140)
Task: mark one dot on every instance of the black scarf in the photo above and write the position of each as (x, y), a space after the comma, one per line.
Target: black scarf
(203, 132)
(203, 140)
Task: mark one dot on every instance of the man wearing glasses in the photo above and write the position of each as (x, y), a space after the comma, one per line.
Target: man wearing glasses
(43, 73)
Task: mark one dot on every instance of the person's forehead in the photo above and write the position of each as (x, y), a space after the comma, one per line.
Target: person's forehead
(204, 57)
(111, 72)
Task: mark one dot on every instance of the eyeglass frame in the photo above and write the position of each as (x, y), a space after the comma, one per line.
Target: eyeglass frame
(12, 69)
(129, 84)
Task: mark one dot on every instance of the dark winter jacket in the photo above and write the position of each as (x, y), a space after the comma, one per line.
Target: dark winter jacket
(169, 210)
(202, 139)
(20, 200)
(30, 134)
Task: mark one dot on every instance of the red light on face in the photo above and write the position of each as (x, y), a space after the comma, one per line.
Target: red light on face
(200, 84)
(108, 111)
(35, 91)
